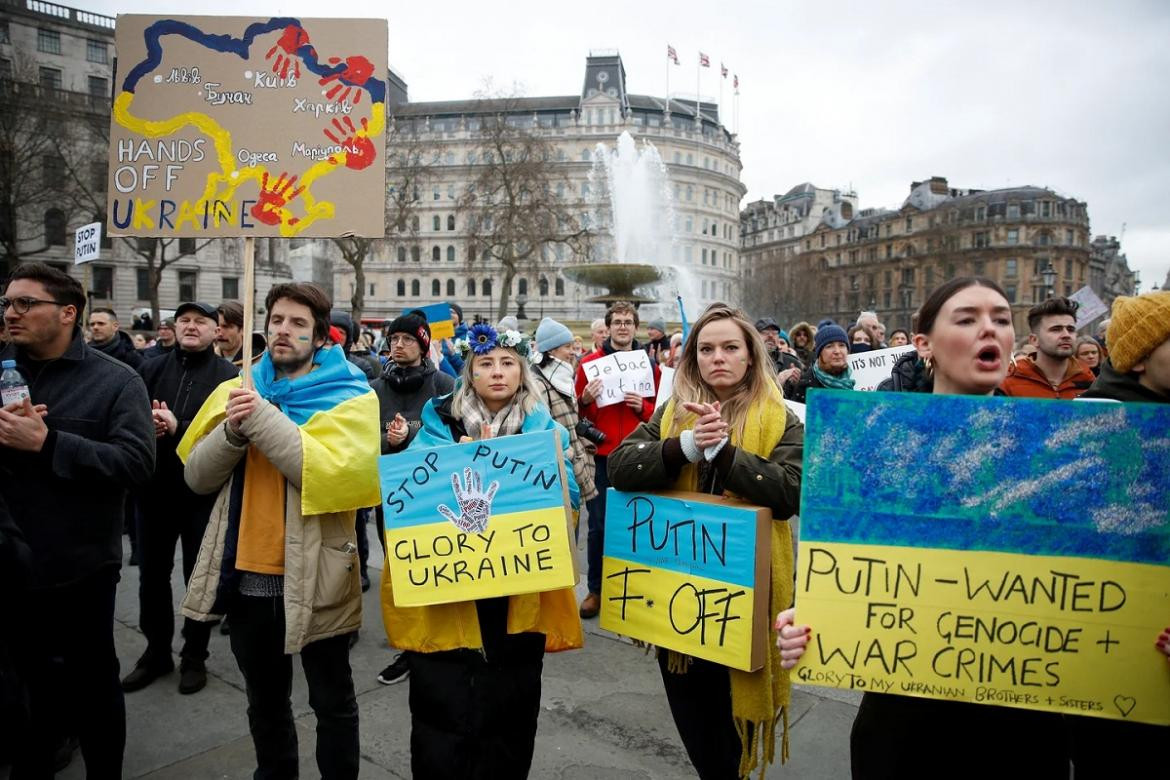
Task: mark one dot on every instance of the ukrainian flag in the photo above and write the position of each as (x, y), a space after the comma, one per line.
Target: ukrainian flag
(337, 414)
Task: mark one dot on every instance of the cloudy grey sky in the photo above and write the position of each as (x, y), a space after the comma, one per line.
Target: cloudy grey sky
(1070, 95)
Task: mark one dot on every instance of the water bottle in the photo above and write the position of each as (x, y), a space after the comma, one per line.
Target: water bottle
(13, 387)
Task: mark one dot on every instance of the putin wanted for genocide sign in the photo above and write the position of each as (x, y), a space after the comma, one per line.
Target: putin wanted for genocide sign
(234, 126)
(477, 520)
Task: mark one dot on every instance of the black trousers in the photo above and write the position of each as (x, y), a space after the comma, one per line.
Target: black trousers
(158, 531)
(257, 640)
(595, 541)
(700, 702)
(63, 648)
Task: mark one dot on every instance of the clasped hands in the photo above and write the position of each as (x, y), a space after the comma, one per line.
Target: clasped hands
(22, 426)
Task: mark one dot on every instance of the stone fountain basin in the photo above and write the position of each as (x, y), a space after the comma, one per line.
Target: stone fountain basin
(619, 278)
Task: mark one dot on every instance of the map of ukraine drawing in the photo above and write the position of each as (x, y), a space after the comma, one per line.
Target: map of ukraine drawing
(284, 197)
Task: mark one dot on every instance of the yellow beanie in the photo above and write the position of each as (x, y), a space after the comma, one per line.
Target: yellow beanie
(1136, 327)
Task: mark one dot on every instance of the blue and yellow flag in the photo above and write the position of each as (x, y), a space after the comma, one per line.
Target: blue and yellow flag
(337, 414)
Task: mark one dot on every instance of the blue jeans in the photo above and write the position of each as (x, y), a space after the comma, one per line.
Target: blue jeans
(595, 543)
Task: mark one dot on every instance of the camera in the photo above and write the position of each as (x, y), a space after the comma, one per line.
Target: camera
(587, 430)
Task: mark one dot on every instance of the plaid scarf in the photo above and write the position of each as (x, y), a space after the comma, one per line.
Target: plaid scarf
(503, 423)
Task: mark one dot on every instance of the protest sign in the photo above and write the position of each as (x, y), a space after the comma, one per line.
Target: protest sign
(476, 520)
(994, 550)
(688, 572)
(665, 385)
(621, 373)
(87, 243)
(439, 318)
(1091, 307)
(235, 126)
(870, 369)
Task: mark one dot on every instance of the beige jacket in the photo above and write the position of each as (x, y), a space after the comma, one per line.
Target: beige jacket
(322, 584)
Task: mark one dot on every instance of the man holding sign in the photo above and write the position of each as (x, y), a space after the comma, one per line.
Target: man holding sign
(616, 386)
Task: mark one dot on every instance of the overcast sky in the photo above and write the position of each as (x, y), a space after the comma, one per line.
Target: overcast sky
(1069, 95)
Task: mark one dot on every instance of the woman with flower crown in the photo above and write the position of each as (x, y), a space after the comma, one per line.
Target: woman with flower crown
(475, 669)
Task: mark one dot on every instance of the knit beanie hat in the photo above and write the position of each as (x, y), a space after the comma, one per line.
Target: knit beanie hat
(828, 334)
(413, 323)
(1136, 327)
(551, 334)
(657, 324)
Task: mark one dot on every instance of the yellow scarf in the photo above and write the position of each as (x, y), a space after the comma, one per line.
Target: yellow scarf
(759, 700)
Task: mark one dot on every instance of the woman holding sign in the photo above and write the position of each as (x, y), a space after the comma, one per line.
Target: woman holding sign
(725, 430)
(476, 666)
(965, 336)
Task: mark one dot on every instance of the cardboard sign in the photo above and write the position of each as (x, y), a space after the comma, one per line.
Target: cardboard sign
(995, 550)
(439, 318)
(621, 373)
(87, 243)
(688, 572)
(471, 521)
(665, 385)
(233, 126)
(1091, 307)
(870, 369)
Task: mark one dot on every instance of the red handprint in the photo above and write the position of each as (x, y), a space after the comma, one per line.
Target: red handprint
(359, 150)
(357, 72)
(267, 208)
(293, 38)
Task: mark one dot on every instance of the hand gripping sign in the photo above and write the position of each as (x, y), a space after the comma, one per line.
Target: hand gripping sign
(508, 538)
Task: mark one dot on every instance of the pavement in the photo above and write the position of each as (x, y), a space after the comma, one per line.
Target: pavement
(603, 712)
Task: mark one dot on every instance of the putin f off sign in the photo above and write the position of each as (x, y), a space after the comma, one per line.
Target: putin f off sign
(621, 373)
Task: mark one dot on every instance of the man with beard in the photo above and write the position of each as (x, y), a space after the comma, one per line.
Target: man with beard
(178, 383)
(830, 366)
(407, 383)
(1054, 372)
(291, 460)
(616, 421)
(164, 342)
(787, 364)
(107, 338)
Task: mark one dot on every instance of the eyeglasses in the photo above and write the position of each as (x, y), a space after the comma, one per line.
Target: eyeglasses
(22, 305)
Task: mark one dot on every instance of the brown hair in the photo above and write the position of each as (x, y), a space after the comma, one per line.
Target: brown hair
(621, 307)
(232, 313)
(1053, 307)
(928, 313)
(304, 293)
(60, 286)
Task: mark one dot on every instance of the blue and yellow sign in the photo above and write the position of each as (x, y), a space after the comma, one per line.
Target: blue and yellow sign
(477, 520)
(995, 550)
(439, 318)
(688, 572)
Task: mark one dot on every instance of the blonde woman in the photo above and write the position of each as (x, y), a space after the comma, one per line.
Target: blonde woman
(725, 430)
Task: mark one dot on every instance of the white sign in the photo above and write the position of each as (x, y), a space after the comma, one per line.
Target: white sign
(796, 408)
(869, 369)
(621, 373)
(1091, 308)
(665, 385)
(87, 243)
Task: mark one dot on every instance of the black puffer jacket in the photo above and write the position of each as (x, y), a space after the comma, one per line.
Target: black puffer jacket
(68, 499)
(405, 390)
(796, 389)
(120, 347)
(1122, 387)
(908, 376)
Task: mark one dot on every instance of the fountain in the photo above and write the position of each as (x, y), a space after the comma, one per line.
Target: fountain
(632, 203)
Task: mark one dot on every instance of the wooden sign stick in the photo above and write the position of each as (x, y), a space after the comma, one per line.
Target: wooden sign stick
(249, 306)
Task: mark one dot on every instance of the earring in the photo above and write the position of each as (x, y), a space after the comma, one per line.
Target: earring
(929, 366)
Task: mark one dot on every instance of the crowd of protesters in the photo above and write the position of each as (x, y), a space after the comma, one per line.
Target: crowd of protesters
(268, 489)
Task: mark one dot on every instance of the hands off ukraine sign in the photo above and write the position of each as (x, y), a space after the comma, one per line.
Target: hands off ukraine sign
(476, 520)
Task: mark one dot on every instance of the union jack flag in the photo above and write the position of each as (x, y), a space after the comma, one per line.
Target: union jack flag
(671, 54)
(704, 60)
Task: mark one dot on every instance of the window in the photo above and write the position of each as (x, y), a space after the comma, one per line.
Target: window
(98, 87)
(187, 285)
(436, 254)
(1011, 293)
(231, 287)
(55, 227)
(585, 157)
(401, 288)
(543, 287)
(415, 254)
(471, 287)
(560, 287)
(979, 239)
(186, 247)
(97, 51)
(144, 246)
(415, 288)
(451, 254)
(435, 223)
(402, 254)
(450, 288)
(436, 288)
(5, 68)
(372, 288)
(53, 170)
(1010, 267)
(487, 287)
(48, 41)
(103, 281)
(471, 253)
(1013, 236)
(51, 78)
(1068, 237)
(4, 31)
(450, 221)
(1046, 208)
(414, 223)
(1068, 267)
(142, 284)
(1013, 211)
(909, 224)
(523, 286)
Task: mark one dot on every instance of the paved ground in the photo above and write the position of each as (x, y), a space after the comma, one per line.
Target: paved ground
(603, 714)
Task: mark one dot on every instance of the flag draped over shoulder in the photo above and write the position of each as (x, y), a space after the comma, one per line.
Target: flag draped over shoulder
(337, 414)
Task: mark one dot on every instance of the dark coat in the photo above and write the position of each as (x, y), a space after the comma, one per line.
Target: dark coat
(120, 347)
(405, 391)
(796, 389)
(68, 499)
(908, 376)
(1122, 387)
(158, 349)
(183, 380)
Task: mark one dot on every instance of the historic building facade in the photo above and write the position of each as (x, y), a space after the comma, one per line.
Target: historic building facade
(437, 261)
(811, 253)
(56, 67)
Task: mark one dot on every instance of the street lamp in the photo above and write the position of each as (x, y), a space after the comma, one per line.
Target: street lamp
(1049, 277)
(521, 299)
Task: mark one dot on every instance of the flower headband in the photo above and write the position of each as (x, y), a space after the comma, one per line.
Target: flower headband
(483, 338)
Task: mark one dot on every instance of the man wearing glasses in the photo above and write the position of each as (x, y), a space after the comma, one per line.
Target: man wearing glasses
(616, 421)
(67, 457)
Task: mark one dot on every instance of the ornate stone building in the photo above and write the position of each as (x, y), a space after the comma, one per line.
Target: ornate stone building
(811, 253)
(437, 262)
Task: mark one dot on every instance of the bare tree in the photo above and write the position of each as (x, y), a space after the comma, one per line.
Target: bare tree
(511, 208)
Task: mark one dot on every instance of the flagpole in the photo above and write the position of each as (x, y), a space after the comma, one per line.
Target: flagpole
(668, 78)
(722, 78)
